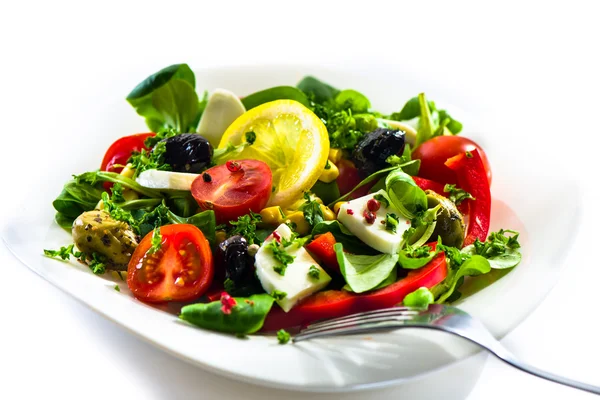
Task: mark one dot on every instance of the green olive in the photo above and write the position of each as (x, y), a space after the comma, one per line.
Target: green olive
(450, 224)
(97, 232)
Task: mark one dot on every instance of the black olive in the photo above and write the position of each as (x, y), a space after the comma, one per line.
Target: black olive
(375, 147)
(188, 152)
(237, 262)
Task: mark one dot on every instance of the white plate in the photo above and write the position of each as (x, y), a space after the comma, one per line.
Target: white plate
(524, 198)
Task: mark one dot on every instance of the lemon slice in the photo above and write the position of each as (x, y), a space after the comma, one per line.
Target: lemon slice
(290, 138)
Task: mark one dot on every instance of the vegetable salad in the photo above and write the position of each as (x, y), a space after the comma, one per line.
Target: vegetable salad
(286, 206)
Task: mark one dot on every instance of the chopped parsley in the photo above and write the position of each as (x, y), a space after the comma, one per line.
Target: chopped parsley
(164, 134)
(116, 212)
(229, 285)
(382, 199)
(283, 336)
(327, 165)
(149, 159)
(117, 193)
(497, 243)
(96, 261)
(281, 256)
(314, 272)
(278, 295)
(419, 252)
(391, 222)
(246, 227)
(313, 214)
(455, 257)
(457, 195)
(63, 253)
(117, 288)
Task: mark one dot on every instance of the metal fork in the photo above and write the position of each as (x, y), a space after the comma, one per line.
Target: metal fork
(439, 317)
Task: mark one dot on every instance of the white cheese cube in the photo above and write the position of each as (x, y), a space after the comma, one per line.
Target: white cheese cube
(168, 180)
(351, 215)
(296, 281)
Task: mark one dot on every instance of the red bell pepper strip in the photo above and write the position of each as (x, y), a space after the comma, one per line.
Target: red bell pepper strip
(338, 303)
(322, 248)
(427, 184)
(472, 177)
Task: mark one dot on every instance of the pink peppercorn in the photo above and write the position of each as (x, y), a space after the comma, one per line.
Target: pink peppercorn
(369, 217)
(373, 205)
(233, 166)
(227, 302)
(349, 212)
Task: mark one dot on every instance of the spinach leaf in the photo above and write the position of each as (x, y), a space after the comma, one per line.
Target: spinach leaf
(64, 222)
(362, 272)
(353, 100)
(408, 165)
(246, 316)
(77, 197)
(412, 109)
(453, 125)
(205, 221)
(320, 91)
(275, 93)
(476, 265)
(327, 192)
(404, 193)
(168, 99)
(342, 235)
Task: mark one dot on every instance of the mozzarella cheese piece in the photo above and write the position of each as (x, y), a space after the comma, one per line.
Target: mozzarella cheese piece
(167, 180)
(222, 108)
(351, 215)
(296, 282)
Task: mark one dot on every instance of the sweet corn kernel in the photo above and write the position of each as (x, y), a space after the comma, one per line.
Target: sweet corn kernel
(128, 194)
(327, 213)
(297, 218)
(272, 215)
(331, 174)
(335, 155)
(336, 207)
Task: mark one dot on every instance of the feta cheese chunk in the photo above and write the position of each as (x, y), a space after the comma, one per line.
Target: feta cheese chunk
(156, 179)
(295, 282)
(351, 215)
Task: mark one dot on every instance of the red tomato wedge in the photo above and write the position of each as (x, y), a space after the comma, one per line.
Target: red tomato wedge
(434, 153)
(181, 270)
(349, 178)
(233, 189)
(338, 303)
(322, 248)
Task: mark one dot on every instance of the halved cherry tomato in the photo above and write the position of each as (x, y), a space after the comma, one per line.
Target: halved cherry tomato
(338, 303)
(233, 190)
(119, 152)
(322, 248)
(434, 153)
(182, 269)
(349, 178)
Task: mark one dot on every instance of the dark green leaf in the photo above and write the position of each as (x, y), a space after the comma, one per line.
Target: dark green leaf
(247, 316)
(411, 109)
(353, 100)
(320, 91)
(327, 192)
(168, 99)
(275, 93)
(205, 221)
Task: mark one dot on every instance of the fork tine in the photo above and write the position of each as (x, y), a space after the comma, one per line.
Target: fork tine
(392, 311)
(366, 328)
(359, 321)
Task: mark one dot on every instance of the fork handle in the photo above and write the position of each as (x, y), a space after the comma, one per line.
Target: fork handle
(511, 360)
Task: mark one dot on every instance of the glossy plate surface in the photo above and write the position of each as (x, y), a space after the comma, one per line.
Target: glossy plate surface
(524, 198)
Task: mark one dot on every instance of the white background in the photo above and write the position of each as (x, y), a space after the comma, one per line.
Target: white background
(531, 66)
